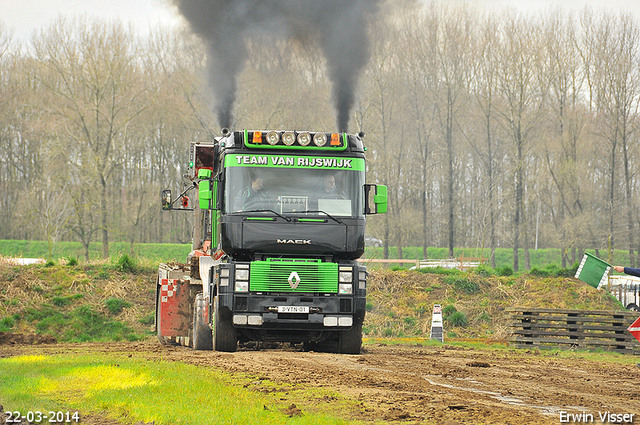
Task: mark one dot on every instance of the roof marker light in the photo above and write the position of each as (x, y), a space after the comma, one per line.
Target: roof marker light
(335, 139)
(257, 137)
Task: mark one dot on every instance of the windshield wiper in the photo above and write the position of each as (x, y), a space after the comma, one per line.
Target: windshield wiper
(257, 211)
(325, 213)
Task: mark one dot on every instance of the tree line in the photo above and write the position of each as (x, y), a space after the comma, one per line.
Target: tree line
(491, 130)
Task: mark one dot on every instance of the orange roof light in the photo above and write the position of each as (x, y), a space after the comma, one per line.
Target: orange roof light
(257, 137)
(335, 139)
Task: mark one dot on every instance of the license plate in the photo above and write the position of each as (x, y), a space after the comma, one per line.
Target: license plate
(293, 309)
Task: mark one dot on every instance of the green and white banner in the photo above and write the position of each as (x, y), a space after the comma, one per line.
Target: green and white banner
(294, 161)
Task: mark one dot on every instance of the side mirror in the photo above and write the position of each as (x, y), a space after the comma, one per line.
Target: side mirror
(205, 193)
(375, 199)
(166, 200)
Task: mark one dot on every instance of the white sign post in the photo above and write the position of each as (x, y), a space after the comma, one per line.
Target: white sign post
(437, 332)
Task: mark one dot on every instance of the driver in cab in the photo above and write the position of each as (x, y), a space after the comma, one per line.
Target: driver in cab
(329, 189)
(252, 194)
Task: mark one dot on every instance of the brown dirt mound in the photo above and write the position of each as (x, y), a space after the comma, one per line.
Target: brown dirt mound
(400, 302)
(28, 339)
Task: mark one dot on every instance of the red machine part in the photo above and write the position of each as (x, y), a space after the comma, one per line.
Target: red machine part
(174, 307)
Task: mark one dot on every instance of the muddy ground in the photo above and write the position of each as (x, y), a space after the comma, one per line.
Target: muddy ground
(414, 384)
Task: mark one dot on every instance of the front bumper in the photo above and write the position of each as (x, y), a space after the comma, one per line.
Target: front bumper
(322, 312)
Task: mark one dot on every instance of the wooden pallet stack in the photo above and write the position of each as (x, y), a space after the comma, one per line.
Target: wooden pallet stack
(594, 329)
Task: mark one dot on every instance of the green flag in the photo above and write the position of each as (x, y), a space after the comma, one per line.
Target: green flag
(593, 271)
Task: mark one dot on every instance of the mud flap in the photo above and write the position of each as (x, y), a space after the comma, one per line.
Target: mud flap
(174, 308)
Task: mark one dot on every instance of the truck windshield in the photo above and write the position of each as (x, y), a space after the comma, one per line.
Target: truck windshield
(294, 190)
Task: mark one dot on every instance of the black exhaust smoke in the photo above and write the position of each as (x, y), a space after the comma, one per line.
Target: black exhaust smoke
(339, 27)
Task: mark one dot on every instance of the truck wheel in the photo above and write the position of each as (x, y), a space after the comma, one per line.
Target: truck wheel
(633, 307)
(202, 337)
(225, 337)
(351, 340)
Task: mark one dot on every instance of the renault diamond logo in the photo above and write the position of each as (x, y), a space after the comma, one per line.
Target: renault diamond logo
(294, 280)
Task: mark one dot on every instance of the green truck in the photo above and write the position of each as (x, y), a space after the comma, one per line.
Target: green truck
(279, 224)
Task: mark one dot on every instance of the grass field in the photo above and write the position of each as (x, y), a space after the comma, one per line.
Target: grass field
(38, 249)
(178, 252)
(130, 389)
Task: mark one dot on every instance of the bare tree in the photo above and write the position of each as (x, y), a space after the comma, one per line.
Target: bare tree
(446, 61)
(626, 80)
(421, 80)
(485, 77)
(54, 211)
(383, 107)
(482, 125)
(521, 108)
(93, 71)
(565, 78)
(612, 47)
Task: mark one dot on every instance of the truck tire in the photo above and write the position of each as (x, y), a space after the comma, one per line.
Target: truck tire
(350, 341)
(225, 337)
(202, 335)
(632, 307)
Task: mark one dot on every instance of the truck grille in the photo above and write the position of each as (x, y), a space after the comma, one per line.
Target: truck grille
(313, 276)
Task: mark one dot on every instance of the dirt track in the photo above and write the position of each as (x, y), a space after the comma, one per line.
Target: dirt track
(414, 384)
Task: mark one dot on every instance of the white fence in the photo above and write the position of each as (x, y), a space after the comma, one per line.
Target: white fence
(21, 261)
(451, 263)
(461, 263)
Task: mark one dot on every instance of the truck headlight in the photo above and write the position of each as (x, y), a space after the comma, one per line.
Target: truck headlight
(304, 139)
(345, 277)
(345, 288)
(242, 286)
(320, 139)
(345, 321)
(273, 137)
(288, 138)
(254, 320)
(240, 319)
(242, 274)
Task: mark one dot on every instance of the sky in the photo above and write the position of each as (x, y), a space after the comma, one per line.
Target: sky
(631, 6)
(27, 16)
